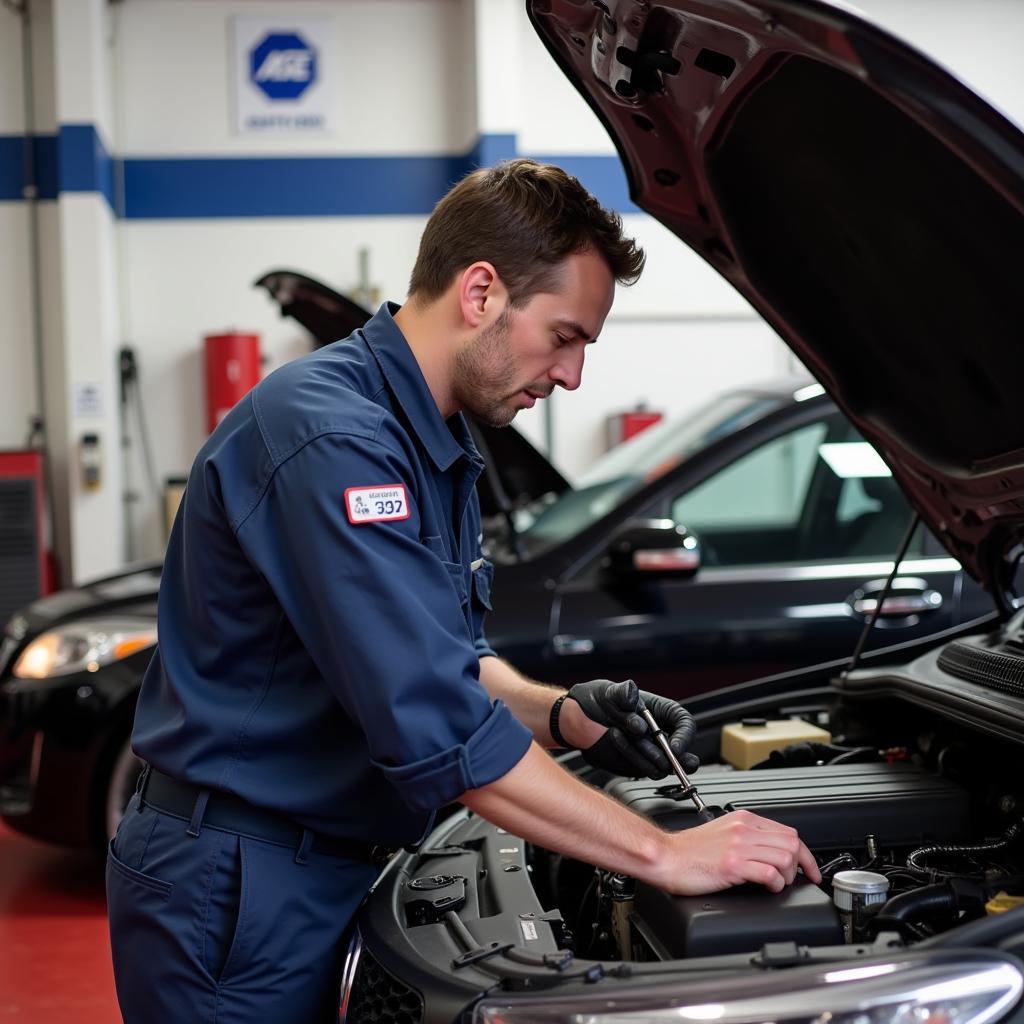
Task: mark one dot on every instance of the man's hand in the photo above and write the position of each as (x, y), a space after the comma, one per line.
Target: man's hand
(738, 847)
(627, 748)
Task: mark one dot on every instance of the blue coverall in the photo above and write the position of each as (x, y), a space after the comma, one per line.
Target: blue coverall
(320, 630)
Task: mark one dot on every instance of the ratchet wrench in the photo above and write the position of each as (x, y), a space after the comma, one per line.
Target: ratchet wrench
(689, 790)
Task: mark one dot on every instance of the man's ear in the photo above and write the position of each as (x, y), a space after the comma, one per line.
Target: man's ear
(482, 295)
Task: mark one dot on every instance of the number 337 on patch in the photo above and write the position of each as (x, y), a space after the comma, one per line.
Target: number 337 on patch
(376, 504)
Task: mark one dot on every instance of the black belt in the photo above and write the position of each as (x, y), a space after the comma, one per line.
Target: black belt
(231, 813)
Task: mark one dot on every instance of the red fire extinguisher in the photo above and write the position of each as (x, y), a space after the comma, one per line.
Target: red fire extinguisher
(232, 369)
(621, 426)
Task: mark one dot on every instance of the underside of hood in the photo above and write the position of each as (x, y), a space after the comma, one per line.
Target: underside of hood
(868, 204)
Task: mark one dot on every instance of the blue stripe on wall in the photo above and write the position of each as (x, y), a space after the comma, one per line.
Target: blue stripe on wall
(12, 167)
(604, 176)
(45, 156)
(492, 149)
(76, 160)
(287, 186)
(300, 186)
(83, 163)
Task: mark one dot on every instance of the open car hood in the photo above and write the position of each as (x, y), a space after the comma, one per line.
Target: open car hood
(867, 203)
(516, 473)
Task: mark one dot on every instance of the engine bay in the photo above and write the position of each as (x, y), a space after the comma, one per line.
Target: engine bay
(913, 809)
(912, 828)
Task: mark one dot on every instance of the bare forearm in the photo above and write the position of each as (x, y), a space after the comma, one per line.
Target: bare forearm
(527, 699)
(544, 804)
(531, 702)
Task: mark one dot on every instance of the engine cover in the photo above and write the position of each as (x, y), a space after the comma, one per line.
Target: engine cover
(833, 807)
(739, 920)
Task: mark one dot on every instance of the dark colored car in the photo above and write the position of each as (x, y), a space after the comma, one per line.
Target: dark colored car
(872, 209)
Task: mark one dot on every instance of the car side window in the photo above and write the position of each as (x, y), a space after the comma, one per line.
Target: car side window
(816, 493)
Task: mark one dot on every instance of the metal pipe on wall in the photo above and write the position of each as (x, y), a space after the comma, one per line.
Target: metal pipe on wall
(30, 193)
(38, 436)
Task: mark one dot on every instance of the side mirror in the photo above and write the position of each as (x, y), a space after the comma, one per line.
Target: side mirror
(645, 548)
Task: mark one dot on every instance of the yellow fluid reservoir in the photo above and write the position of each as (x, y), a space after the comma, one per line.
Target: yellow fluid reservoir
(1002, 902)
(752, 740)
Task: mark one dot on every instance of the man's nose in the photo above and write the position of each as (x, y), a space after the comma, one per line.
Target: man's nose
(568, 371)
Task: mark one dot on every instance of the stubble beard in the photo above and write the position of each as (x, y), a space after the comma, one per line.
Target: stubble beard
(484, 375)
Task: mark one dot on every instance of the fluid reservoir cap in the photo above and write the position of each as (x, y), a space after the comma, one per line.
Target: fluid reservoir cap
(863, 887)
(429, 882)
(757, 723)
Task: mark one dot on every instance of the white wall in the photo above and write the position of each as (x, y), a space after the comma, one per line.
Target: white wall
(11, 68)
(18, 378)
(396, 84)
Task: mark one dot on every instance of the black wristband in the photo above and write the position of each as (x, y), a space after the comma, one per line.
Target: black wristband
(556, 733)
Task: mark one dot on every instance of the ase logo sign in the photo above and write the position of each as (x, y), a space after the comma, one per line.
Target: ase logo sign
(282, 75)
(283, 65)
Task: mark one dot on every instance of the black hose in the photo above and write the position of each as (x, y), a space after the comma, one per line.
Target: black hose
(900, 913)
(913, 860)
(949, 898)
(836, 862)
(927, 901)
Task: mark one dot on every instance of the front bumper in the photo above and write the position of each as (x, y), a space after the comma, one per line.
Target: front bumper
(57, 741)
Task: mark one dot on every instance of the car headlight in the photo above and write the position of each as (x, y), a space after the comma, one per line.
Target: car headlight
(940, 988)
(83, 646)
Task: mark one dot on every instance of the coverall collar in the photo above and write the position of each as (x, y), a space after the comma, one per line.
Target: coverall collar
(405, 379)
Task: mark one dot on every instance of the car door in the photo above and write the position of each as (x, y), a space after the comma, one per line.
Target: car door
(796, 539)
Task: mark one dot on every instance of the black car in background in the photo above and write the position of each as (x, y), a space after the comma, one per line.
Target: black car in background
(752, 538)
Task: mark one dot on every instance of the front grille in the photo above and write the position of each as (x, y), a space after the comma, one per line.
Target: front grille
(19, 757)
(19, 546)
(378, 997)
(996, 669)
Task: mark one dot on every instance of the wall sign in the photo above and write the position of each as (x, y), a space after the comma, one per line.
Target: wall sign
(282, 75)
(88, 399)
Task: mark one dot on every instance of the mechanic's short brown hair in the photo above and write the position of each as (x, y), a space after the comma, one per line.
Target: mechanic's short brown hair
(525, 218)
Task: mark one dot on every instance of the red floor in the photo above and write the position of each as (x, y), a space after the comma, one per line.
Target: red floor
(54, 949)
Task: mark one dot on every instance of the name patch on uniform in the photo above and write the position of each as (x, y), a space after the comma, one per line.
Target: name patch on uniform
(376, 504)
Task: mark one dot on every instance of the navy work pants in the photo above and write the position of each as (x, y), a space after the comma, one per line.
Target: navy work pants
(221, 928)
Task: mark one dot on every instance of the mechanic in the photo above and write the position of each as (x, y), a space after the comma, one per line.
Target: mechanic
(322, 683)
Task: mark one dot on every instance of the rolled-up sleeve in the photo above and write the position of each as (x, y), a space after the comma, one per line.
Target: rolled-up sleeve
(382, 617)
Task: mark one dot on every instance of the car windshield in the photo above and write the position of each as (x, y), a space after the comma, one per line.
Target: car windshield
(637, 462)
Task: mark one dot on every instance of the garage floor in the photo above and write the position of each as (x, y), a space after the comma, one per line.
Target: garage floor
(54, 950)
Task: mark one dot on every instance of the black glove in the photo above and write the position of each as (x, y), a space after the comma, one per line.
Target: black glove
(627, 748)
